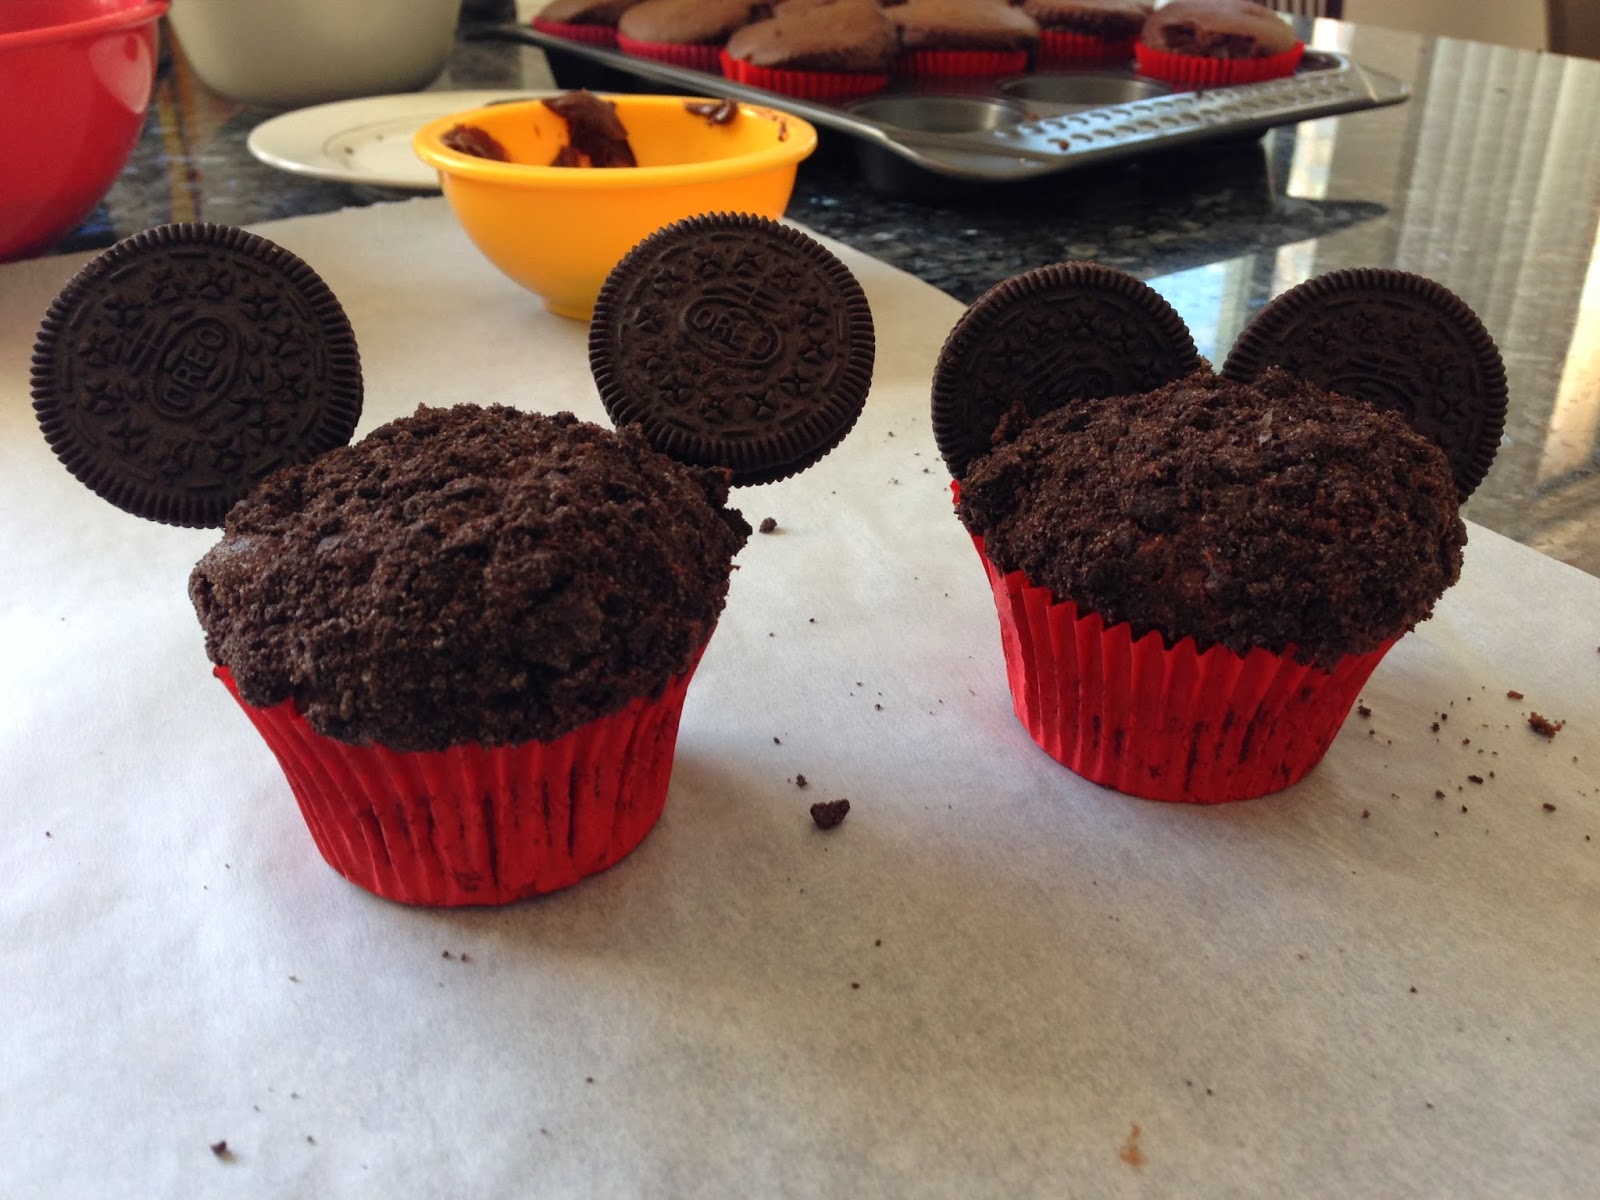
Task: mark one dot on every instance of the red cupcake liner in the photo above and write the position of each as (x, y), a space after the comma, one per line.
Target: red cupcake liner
(604, 36)
(1059, 46)
(953, 64)
(479, 824)
(806, 85)
(1194, 71)
(696, 58)
(1165, 723)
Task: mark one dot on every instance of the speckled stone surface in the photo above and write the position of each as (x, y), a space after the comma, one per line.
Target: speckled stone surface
(1487, 179)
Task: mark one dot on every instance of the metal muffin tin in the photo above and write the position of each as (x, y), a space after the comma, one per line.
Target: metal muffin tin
(1022, 126)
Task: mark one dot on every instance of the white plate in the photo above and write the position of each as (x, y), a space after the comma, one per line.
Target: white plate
(366, 141)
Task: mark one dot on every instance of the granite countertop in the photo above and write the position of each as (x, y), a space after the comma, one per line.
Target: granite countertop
(1487, 179)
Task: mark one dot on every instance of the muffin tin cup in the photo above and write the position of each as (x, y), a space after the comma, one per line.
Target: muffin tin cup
(603, 36)
(1192, 71)
(696, 58)
(1165, 723)
(1057, 47)
(479, 825)
(961, 64)
(825, 86)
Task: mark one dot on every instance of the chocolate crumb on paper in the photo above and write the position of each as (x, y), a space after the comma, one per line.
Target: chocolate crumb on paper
(829, 813)
(220, 1149)
(800, 781)
(768, 525)
(1548, 807)
(1543, 725)
(1130, 1152)
(1513, 694)
(1363, 711)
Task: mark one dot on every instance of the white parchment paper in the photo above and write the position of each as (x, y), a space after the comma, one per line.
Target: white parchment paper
(992, 979)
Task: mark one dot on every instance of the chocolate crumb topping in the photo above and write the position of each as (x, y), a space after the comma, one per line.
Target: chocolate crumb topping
(471, 574)
(1271, 515)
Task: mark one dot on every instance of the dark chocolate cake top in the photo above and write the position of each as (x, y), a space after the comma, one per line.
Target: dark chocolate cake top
(471, 574)
(1218, 29)
(1110, 19)
(1271, 514)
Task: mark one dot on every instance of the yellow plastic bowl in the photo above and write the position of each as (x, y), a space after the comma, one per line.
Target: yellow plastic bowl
(558, 231)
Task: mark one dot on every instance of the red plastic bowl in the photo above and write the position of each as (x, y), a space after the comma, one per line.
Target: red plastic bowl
(75, 81)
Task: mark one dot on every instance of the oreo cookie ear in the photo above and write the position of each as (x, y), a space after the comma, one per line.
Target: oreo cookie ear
(730, 340)
(1049, 337)
(183, 364)
(1397, 340)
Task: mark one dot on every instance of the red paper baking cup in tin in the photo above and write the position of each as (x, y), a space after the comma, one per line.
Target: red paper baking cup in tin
(826, 86)
(1165, 723)
(1194, 71)
(603, 36)
(696, 58)
(1058, 46)
(479, 824)
(960, 64)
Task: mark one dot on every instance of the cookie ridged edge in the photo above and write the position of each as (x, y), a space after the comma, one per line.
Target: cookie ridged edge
(1253, 349)
(777, 456)
(336, 422)
(957, 443)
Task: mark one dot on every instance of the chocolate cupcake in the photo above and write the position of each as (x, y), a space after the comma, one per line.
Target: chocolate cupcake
(1194, 581)
(829, 52)
(467, 637)
(1216, 43)
(685, 33)
(592, 22)
(959, 38)
(1079, 31)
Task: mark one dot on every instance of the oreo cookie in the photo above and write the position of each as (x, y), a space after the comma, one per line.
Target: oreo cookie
(188, 361)
(1053, 336)
(730, 340)
(1397, 340)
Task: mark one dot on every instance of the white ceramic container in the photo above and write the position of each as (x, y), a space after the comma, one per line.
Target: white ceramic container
(289, 53)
